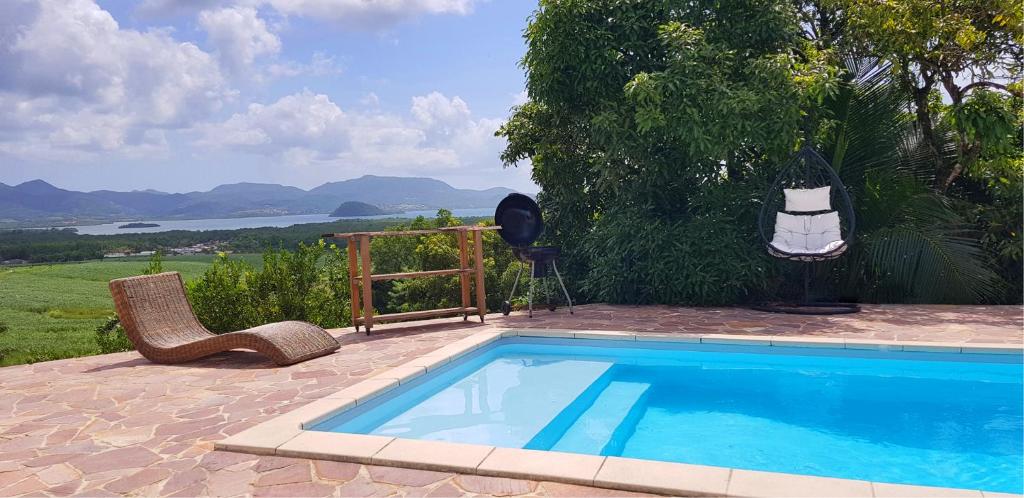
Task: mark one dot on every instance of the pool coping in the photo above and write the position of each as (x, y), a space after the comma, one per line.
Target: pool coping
(286, 435)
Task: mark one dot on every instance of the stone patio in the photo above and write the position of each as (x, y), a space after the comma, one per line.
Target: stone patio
(119, 425)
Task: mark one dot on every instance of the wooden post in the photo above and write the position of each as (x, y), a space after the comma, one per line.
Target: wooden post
(478, 256)
(364, 249)
(464, 265)
(353, 274)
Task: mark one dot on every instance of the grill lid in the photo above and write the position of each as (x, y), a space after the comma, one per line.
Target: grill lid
(520, 220)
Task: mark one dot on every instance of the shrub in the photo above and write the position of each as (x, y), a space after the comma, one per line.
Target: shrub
(221, 298)
(704, 261)
(308, 284)
(111, 338)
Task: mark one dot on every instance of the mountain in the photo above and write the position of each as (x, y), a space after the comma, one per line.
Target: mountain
(356, 208)
(39, 203)
(409, 193)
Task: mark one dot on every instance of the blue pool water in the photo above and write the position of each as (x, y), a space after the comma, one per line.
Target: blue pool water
(952, 420)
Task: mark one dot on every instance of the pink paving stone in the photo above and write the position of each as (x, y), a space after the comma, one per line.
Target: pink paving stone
(361, 487)
(313, 374)
(30, 485)
(21, 444)
(138, 480)
(226, 483)
(288, 475)
(187, 426)
(446, 490)
(275, 462)
(407, 477)
(336, 471)
(8, 478)
(9, 466)
(191, 491)
(572, 490)
(494, 486)
(17, 456)
(122, 458)
(60, 437)
(65, 489)
(183, 480)
(304, 489)
(217, 460)
(57, 474)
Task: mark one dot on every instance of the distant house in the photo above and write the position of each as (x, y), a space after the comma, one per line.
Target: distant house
(115, 255)
(145, 253)
(14, 262)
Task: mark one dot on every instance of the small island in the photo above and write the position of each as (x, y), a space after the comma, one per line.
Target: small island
(356, 208)
(139, 225)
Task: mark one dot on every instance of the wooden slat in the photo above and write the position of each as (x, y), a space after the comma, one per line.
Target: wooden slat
(416, 315)
(464, 266)
(478, 256)
(416, 274)
(353, 278)
(403, 233)
(364, 249)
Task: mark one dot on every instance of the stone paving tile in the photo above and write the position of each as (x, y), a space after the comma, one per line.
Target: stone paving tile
(117, 424)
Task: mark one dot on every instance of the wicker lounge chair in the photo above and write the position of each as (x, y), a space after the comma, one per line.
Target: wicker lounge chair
(158, 319)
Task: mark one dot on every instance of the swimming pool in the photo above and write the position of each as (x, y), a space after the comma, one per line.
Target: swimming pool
(934, 419)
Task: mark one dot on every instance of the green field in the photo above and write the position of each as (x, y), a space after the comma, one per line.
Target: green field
(52, 311)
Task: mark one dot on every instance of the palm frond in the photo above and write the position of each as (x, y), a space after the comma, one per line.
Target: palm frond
(932, 264)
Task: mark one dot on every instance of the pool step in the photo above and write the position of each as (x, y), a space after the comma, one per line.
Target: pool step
(609, 420)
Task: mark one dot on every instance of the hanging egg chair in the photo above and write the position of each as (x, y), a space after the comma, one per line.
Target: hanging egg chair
(807, 217)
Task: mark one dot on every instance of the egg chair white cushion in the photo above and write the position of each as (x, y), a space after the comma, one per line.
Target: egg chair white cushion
(803, 200)
(810, 235)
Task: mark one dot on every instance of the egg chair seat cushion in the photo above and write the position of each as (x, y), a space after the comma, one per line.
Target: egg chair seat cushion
(807, 237)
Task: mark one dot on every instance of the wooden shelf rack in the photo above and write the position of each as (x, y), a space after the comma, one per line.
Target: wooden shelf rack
(360, 268)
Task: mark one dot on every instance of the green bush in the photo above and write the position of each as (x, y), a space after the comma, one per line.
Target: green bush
(110, 337)
(221, 298)
(308, 284)
(705, 261)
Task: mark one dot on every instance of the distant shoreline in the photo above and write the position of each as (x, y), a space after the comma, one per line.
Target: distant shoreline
(138, 225)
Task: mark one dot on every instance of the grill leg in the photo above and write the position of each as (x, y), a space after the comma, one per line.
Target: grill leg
(516, 282)
(547, 294)
(562, 284)
(531, 289)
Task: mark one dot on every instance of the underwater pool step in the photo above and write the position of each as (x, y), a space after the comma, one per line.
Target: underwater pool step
(609, 421)
(605, 410)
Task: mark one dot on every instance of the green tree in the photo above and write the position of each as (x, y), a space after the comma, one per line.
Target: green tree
(652, 127)
(965, 49)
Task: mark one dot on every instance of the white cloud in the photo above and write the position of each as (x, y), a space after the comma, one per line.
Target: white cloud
(360, 15)
(520, 98)
(72, 78)
(370, 14)
(319, 65)
(239, 36)
(439, 136)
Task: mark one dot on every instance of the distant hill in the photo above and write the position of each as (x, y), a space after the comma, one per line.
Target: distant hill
(356, 208)
(39, 203)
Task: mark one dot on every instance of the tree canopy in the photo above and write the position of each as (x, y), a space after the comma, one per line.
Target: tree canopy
(655, 126)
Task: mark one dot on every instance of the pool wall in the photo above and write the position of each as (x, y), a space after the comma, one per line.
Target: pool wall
(289, 435)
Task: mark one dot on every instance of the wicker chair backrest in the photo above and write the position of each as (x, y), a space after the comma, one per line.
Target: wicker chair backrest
(155, 312)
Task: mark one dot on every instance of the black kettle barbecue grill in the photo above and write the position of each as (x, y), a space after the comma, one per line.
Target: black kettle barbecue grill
(521, 225)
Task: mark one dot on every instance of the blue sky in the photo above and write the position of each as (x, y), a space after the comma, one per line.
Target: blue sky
(183, 95)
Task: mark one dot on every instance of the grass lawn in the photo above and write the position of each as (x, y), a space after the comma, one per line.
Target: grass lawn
(52, 311)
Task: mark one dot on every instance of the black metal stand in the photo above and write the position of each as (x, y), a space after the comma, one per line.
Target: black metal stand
(808, 307)
(506, 307)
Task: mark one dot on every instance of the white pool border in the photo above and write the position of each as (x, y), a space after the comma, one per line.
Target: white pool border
(287, 434)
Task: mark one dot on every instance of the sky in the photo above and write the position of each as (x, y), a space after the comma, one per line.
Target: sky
(184, 95)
